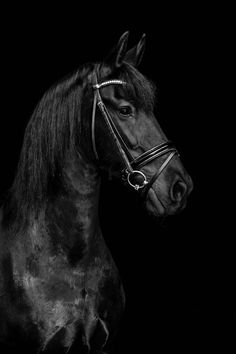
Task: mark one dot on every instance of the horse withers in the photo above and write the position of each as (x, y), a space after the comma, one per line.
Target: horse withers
(60, 290)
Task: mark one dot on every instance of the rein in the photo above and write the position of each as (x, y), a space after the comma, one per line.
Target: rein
(135, 178)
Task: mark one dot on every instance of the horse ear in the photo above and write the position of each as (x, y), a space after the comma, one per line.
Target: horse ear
(135, 54)
(117, 55)
(121, 49)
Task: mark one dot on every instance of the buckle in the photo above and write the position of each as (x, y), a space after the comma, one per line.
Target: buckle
(136, 179)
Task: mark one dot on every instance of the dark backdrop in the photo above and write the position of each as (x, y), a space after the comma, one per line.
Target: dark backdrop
(178, 277)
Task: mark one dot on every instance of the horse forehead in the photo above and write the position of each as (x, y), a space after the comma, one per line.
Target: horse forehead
(108, 92)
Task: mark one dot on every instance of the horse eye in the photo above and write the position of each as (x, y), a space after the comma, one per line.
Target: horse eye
(125, 110)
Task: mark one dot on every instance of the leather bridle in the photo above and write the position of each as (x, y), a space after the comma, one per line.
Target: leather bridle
(135, 178)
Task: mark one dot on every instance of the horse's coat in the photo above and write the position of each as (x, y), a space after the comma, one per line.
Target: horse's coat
(60, 290)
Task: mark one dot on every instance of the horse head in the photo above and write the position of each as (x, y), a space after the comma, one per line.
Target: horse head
(126, 138)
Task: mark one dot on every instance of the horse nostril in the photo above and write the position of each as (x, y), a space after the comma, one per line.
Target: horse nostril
(178, 191)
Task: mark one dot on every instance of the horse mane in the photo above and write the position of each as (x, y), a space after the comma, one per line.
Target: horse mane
(52, 135)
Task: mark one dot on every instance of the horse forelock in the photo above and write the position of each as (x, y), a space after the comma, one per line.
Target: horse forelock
(138, 89)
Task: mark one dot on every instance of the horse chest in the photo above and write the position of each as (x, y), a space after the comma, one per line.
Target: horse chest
(67, 300)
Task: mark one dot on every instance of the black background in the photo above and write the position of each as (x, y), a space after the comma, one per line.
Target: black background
(178, 277)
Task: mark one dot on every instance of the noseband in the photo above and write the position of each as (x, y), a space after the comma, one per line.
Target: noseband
(135, 178)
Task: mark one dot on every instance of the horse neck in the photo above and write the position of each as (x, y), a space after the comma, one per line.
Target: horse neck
(83, 185)
(68, 225)
(74, 212)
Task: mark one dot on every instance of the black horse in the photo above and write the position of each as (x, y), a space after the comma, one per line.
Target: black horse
(60, 290)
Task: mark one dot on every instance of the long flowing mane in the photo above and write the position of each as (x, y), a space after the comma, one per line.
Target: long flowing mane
(52, 135)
